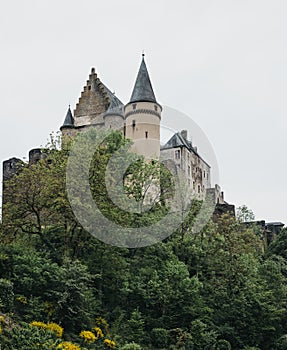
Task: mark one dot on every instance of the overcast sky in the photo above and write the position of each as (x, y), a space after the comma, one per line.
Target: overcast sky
(223, 62)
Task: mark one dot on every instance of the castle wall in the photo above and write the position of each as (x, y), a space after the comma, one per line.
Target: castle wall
(114, 122)
(192, 168)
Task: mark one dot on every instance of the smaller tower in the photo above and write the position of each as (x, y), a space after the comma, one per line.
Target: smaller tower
(35, 155)
(68, 128)
(10, 168)
(143, 115)
(114, 116)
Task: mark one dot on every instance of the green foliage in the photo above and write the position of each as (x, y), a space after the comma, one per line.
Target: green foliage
(209, 290)
(6, 295)
(282, 342)
(159, 338)
(25, 337)
(131, 346)
(244, 214)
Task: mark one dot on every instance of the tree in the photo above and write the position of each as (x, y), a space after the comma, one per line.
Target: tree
(244, 214)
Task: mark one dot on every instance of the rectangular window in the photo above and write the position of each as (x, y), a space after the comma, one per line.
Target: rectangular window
(177, 154)
(146, 134)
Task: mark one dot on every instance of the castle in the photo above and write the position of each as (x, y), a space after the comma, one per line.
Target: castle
(139, 120)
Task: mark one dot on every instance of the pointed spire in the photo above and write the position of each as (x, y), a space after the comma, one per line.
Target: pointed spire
(143, 90)
(69, 120)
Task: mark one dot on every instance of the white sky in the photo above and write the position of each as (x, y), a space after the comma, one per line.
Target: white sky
(221, 62)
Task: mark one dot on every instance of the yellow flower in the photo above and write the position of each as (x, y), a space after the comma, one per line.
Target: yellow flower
(110, 343)
(98, 332)
(68, 346)
(23, 300)
(89, 337)
(54, 327)
(100, 321)
(38, 324)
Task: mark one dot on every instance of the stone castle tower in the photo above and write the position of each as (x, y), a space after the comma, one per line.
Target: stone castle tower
(142, 117)
(139, 119)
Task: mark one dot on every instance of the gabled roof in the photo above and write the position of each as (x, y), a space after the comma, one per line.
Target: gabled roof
(177, 140)
(143, 91)
(69, 120)
(96, 99)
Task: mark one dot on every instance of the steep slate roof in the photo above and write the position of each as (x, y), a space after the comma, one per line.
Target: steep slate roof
(116, 106)
(143, 91)
(69, 120)
(177, 140)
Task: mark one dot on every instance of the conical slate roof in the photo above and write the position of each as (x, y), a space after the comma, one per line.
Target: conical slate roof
(143, 91)
(69, 120)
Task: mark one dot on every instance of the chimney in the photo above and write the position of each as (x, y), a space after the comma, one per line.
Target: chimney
(184, 134)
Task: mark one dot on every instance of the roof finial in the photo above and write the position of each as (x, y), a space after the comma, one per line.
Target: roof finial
(143, 53)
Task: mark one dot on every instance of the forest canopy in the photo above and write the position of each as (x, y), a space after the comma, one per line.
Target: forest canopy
(62, 288)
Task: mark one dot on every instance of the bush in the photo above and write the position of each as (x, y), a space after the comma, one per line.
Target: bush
(159, 337)
(6, 295)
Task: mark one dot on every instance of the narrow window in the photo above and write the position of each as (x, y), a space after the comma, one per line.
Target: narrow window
(146, 134)
(177, 154)
(134, 106)
(204, 173)
(155, 108)
(134, 124)
(198, 188)
(89, 87)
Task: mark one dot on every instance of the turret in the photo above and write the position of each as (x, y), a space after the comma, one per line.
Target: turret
(68, 128)
(114, 116)
(143, 115)
(11, 167)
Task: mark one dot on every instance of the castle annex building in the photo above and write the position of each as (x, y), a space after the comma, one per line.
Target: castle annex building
(140, 121)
